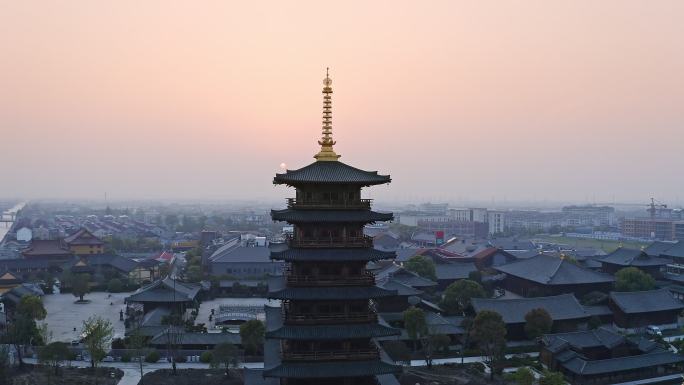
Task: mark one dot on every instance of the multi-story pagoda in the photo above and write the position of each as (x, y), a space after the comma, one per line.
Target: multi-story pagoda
(323, 333)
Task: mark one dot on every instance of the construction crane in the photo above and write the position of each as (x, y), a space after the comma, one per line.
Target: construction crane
(654, 207)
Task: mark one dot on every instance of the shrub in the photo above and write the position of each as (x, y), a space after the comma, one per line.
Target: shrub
(115, 286)
(152, 356)
(126, 357)
(206, 357)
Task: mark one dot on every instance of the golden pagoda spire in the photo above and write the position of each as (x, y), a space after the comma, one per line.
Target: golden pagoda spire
(327, 153)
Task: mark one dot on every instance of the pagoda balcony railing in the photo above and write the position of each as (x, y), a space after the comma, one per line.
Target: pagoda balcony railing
(366, 279)
(327, 355)
(294, 203)
(329, 318)
(364, 241)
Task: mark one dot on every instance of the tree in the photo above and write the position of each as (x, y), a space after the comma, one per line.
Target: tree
(136, 342)
(457, 296)
(225, 355)
(23, 329)
(252, 335)
(433, 343)
(54, 354)
(4, 364)
(98, 334)
(115, 285)
(633, 279)
(194, 273)
(467, 325)
(522, 376)
(537, 323)
(551, 378)
(489, 331)
(422, 266)
(415, 324)
(80, 285)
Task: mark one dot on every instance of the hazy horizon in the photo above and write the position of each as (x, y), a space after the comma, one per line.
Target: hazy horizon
(538, 101)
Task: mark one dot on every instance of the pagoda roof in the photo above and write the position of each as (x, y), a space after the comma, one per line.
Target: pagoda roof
(331, 369)
(46, 248)
(332, 332)
(294, 216)
(331, 293)
(331, 254)
(165, 290)
(560, 307)
(330, 173)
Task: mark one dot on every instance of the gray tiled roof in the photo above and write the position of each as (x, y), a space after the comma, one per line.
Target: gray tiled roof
(677, 250)
(331, 369)
(400, 288)
(238, 253)
(332, 332)
(646, 301)
(559, 307)
(455, 270)
(632, 257)
(200, 339)
(365, 216)
(550, 270)
(658, 248)
(332, 254)
(585, 367)
(331, 293)
(165, 290)
(585, 339)
(330, 172)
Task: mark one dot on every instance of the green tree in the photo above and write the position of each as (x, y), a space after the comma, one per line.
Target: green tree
(53, 354)
(80, 285)
(434, 343)
(252, 335)
(457, 296)
(415, 324)
(537, 323)
(98, 334)
(551, 378)
(115, 285)
(225, 356)
(136, 343)
(489, 332)
(633, 279)
(32, 307)
(23, 329)
(522, 376)
(421, 265)
(194, 273)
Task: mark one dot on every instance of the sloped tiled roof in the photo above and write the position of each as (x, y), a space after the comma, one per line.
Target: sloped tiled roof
(42, 247)
(585, 339)
(364, 216)
(646, 301)
(582, 366)
(165, 290)
(456, 270)
(632, 257)
(550, 270)
(559, 307)
(331, 254)
(330, 172)
(83, 237)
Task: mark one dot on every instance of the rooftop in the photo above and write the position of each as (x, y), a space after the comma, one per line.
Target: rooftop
(165, 290)
(550, 270)
(331, 254)
(646, 301)
(294, 216)
(632, 257)
(559, 307)
(330, 173)
(83, 237)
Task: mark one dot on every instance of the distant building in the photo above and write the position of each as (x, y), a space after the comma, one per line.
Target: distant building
(240, 261)
(24, 234)
(663, 229)
(633, 311)
(53, 250)
(83, 242)
(589, 215)
(549, 275)
(623, 257)
(496, 221)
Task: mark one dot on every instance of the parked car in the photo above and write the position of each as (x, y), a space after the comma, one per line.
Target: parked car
(653, 330)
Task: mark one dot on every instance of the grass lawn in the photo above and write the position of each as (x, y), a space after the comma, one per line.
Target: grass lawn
(605, 245)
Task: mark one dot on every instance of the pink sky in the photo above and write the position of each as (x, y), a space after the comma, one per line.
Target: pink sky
(505, 100)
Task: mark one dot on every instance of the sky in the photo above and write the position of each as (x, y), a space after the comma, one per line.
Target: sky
(493, 101)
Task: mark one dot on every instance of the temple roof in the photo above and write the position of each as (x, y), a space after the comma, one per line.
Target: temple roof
(294, 216)
(165, 290)
(48, 248)
(550, 270)
(632, 257)
(582, 366)
(332, 254)
(334, 172)
(559, 307)
(332, 332)
(83, 237)
(331, 369)
(646, 301)
(600, 337)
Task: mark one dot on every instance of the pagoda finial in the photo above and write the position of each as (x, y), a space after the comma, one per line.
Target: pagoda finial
(327, 153)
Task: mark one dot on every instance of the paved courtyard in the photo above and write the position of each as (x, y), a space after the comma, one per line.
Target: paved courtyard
(63, 315)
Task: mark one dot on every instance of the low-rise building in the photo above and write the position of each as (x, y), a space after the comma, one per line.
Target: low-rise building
(83, 242)
(633, 311)
(623, 257)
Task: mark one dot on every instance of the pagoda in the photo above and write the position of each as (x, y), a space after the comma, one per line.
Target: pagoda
(324, 331)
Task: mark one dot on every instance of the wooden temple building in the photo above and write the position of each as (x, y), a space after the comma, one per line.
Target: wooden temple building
(324, 331)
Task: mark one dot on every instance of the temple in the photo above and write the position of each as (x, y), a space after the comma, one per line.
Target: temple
(324, 331)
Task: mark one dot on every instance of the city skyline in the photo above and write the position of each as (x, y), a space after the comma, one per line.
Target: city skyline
(550, 101)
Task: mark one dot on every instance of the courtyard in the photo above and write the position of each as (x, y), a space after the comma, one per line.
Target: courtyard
(63, 314)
